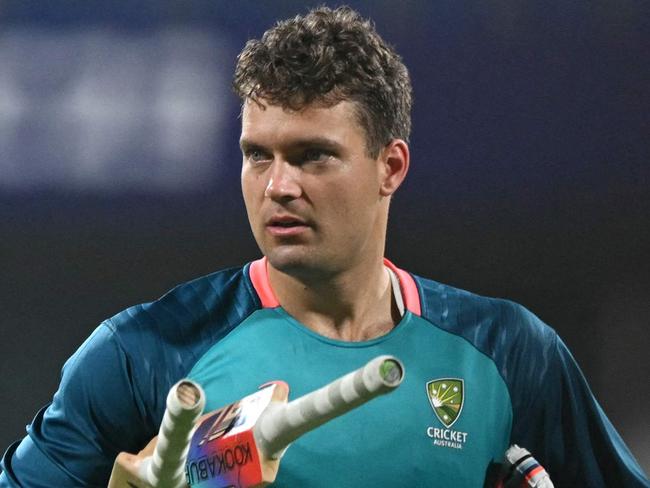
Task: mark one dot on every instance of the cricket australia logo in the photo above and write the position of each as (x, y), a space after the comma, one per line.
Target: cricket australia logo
(447, 396)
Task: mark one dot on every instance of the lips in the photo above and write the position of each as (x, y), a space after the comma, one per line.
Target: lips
(286, 225)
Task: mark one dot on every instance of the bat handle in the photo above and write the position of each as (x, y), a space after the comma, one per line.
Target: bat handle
(281, 424)
(525, 470)
(166, 467)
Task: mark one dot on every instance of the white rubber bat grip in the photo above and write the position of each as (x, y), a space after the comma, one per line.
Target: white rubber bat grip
(522, 461)
(166, 467)
(281, 424)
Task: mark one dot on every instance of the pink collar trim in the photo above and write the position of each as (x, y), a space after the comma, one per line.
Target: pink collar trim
(260, 278)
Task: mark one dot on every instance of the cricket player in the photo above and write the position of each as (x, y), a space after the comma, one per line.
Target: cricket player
(324, 140)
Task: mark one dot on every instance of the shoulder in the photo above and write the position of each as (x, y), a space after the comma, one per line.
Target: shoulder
(516, 340)
(160, 341)
(480, 317)
(201, 309)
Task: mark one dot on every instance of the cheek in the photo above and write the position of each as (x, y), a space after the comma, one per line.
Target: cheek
(250, 187)
(251, 204)
(349, 205)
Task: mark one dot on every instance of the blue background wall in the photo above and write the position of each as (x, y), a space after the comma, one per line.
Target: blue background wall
(530, 174)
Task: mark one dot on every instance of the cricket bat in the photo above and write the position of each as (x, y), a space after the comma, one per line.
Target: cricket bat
(241, 444)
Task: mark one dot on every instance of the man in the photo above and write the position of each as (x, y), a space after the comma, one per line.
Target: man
(325, 125)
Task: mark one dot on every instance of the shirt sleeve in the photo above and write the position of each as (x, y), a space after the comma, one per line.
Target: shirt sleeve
(96, 413)
(565, 428)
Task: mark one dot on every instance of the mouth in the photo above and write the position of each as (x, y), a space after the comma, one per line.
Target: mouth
(286, 226)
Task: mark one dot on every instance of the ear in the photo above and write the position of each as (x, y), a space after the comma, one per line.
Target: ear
(395, 164)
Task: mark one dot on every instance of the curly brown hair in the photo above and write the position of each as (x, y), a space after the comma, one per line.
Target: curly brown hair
(325, 57)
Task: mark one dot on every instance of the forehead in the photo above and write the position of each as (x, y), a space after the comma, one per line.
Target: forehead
(272, 124)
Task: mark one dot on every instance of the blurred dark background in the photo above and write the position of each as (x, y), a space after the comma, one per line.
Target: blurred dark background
(530, 179)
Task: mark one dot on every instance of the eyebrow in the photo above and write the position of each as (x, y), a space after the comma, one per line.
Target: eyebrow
(322, 142)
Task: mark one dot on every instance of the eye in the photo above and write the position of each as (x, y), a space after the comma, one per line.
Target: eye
(257, 156)
(316, 155)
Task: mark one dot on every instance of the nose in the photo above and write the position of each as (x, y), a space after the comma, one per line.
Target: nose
(284, 182)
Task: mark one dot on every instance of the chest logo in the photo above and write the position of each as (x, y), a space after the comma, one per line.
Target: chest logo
(446, 396)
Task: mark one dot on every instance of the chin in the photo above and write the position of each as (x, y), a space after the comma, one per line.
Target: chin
(286, 260)
(294, 260)
(302, 264)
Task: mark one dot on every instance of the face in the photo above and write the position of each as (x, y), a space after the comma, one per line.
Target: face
(313, 195)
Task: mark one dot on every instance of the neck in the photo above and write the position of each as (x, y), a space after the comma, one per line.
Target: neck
(353, 305)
